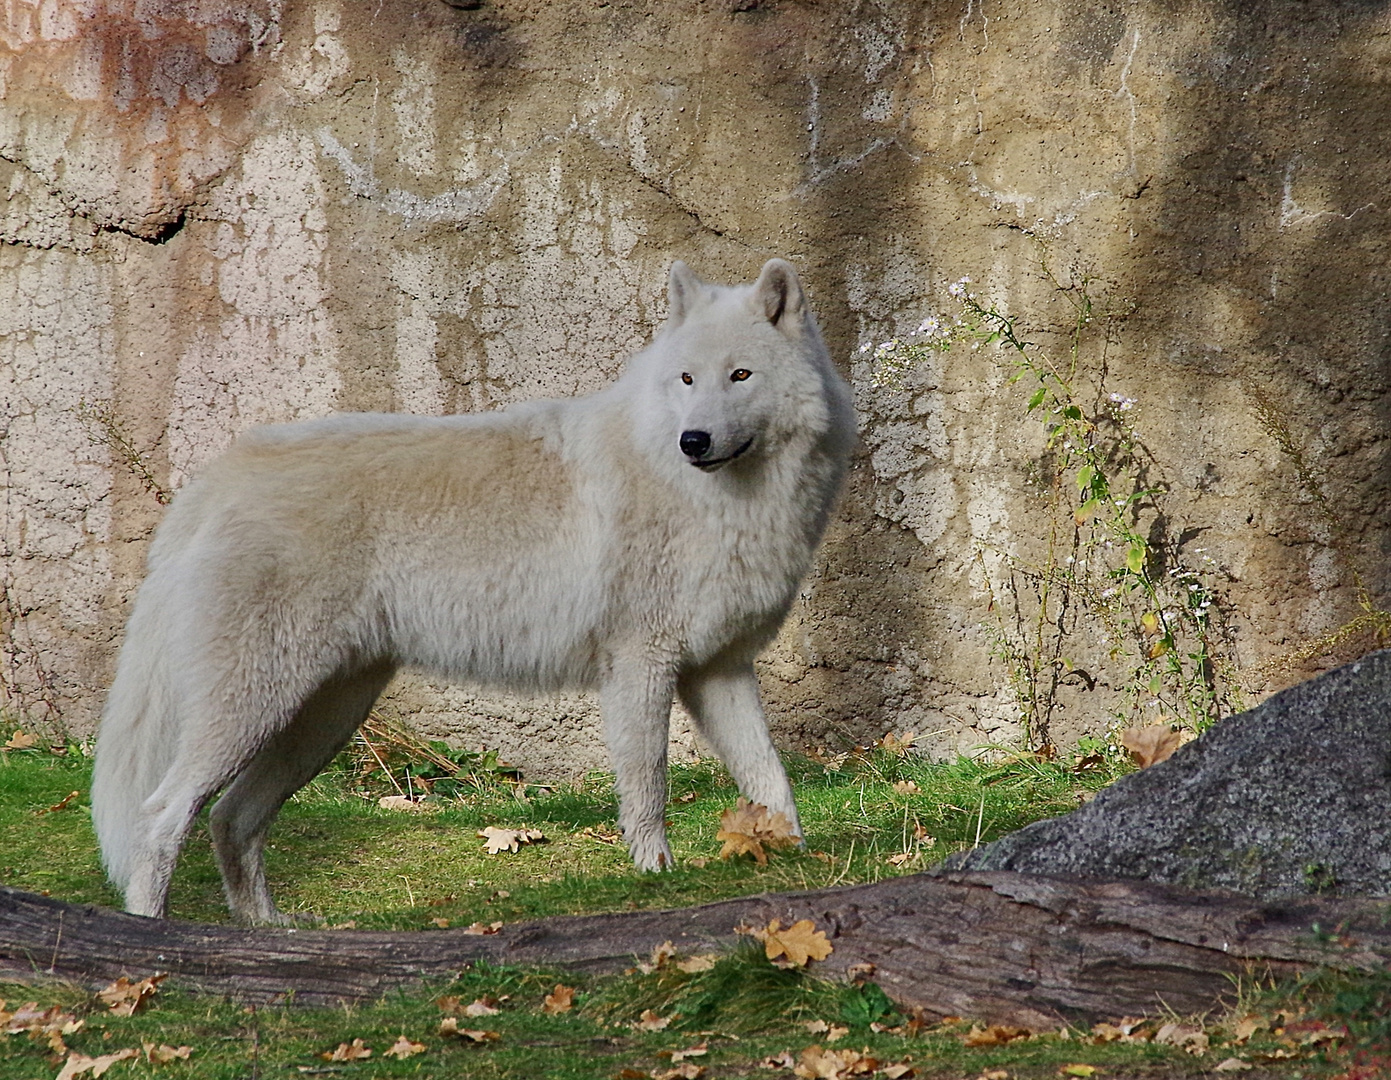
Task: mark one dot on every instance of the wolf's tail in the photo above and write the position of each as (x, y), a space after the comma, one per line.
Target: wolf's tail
(138, 736)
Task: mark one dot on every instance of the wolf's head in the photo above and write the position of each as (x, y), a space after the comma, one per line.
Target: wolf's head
(741, 371)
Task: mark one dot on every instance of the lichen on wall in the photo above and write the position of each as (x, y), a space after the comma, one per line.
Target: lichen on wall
(222, 215)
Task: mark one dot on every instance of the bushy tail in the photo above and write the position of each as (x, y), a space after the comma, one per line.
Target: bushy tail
(138, 737)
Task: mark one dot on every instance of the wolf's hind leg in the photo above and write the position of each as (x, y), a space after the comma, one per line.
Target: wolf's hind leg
(241, 819)
(636, 702)
(206, 760)
(723, 700)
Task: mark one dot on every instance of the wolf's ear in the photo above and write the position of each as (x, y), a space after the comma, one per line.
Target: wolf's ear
(682, 289)
(778, 294)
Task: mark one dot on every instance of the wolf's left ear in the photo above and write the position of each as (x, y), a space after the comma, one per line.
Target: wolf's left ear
(778, 294)
(682, 289)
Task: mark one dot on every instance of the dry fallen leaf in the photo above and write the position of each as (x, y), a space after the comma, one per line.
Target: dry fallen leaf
(907, 787)
(994, 1035)
(898, 744)
(1233, 1064)
(685, 1071)
(703, 962)
(793, 946)
(80, 1064)
(1247, 1026)
(356, 1050)
(450, 1026)
(403, 1048)
(661, 954)
(123, 997)
(1150, 745)
(164, 1053)
(22, 740)
(443, 924)
(749, 829)
(901, 858)
(559, 1000)
(43, 1025)
(400, 802)
(1186, 1037)
(650, 1021)
(785, 1060)
(483, 928)
(500, 840)
(602, 834)
(816, 1063)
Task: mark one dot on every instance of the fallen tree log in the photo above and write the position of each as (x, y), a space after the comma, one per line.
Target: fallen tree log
(997, 946)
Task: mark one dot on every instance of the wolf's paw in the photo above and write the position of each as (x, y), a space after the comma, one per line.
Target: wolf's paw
(276, 917)
(653, 854)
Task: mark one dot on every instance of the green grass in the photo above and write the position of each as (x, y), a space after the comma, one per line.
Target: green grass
(334, 852)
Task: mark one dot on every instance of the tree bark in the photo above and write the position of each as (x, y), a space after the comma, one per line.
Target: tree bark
(996, 946)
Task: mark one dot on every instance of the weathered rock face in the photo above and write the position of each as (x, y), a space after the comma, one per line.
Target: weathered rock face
(220, 215)
(1292, 797)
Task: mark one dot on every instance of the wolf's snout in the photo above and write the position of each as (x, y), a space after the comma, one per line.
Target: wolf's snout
(695, 444)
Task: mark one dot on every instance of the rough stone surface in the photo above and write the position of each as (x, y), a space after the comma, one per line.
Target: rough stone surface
(1292, 797)
(215, 215)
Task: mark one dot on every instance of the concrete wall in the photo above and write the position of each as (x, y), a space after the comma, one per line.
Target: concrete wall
(217, 214)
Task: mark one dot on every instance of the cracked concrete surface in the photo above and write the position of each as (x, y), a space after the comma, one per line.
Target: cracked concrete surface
(216, 216)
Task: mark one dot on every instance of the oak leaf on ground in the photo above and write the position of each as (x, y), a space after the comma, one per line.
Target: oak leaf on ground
(793, 946)
(650, 1021)
(559, 1000)
(816, 1063)
(450, 1026)
(403, 1048)
(80, 1064)
(749, 829)
(356, 1050)
(123, 997)
(163, 1054)
(500, 840)
(483, 928)
(687, 1070)
(1150, 745)
(994, 1035)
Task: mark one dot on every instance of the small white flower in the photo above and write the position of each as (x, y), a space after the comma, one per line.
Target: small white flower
(958, 288)
(929, 326)
(866, 347)
(885, 346)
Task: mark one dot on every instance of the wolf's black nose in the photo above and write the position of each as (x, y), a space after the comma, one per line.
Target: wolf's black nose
(694, 444)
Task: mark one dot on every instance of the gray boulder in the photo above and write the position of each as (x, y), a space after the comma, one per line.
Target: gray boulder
(1292, 797)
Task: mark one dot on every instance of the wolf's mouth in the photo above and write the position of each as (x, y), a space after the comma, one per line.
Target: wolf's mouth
(712, 465)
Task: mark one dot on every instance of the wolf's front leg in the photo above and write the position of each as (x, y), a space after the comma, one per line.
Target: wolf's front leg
(723, 700)
(636, 703)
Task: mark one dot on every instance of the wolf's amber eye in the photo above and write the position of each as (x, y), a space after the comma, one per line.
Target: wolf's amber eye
(739, 374)
(686, 377)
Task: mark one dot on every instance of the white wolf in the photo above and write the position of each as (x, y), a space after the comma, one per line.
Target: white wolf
(646, 540)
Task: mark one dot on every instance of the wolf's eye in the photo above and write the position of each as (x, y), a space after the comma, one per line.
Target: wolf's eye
(739, 374)
(686, 378)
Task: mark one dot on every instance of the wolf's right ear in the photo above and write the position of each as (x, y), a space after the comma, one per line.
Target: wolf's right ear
(682, 289)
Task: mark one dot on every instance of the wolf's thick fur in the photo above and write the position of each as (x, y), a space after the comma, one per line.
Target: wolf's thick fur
(646, 540)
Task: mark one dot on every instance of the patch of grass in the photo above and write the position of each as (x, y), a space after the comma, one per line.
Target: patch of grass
(334, 851)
